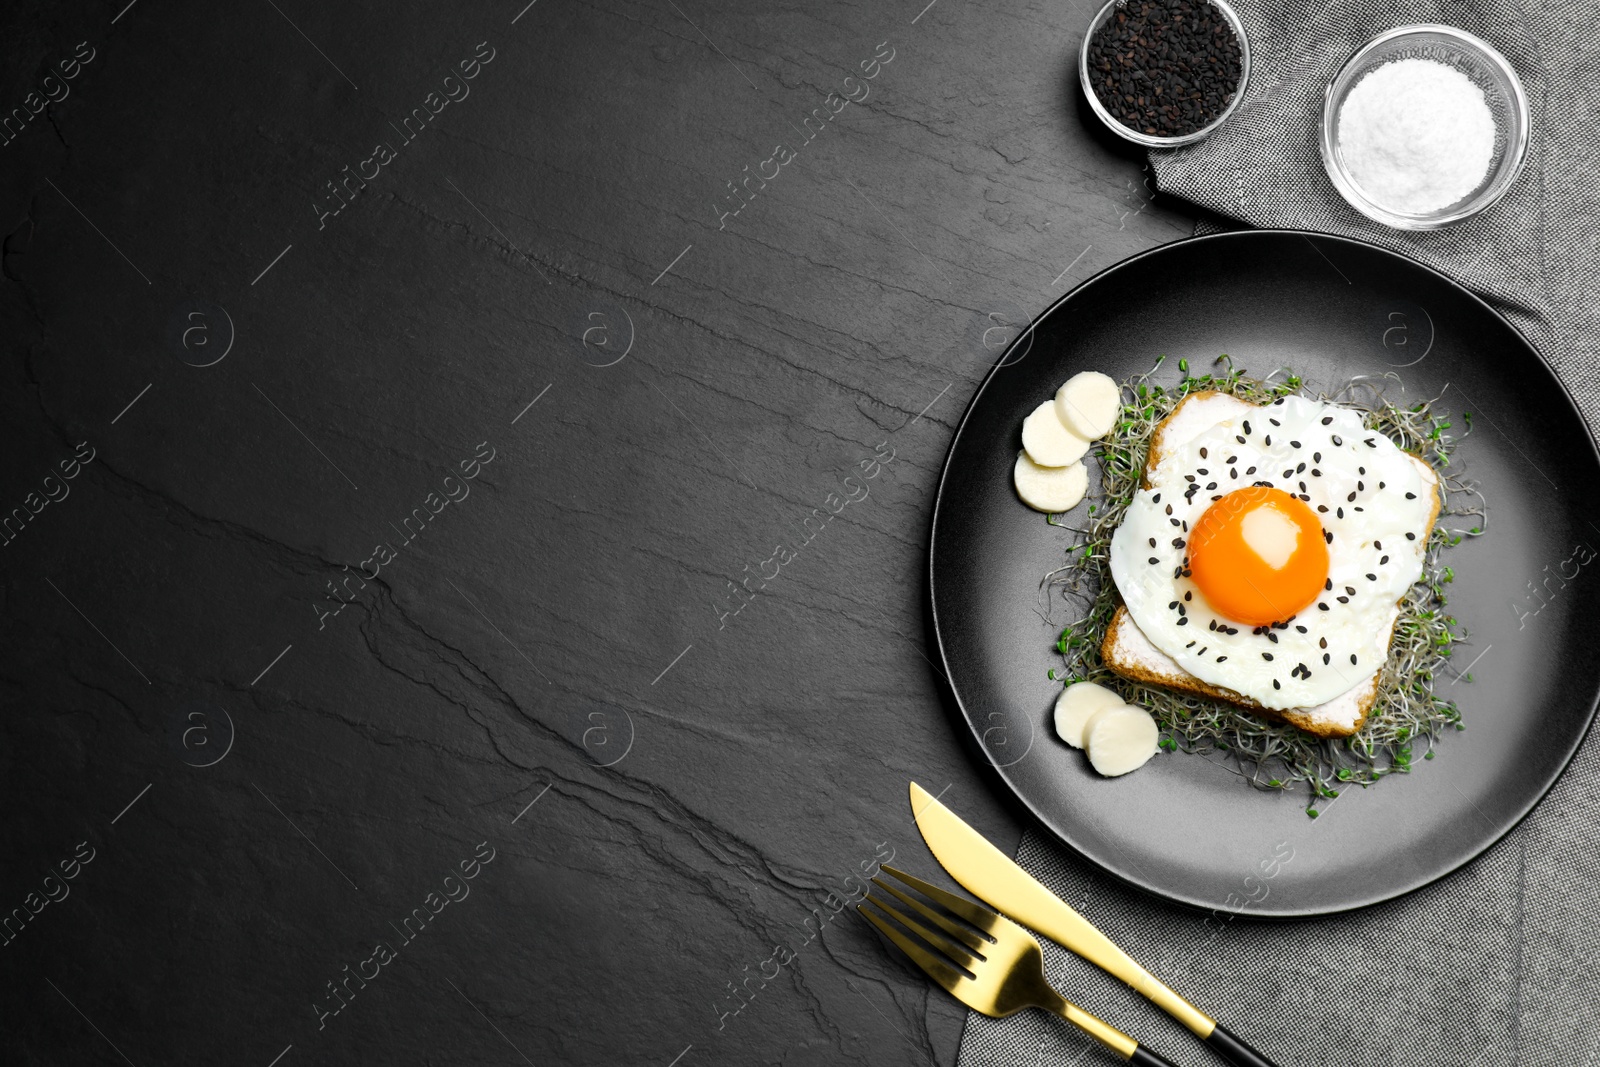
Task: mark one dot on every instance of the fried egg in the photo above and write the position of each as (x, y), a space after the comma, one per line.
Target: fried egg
(1268, 548)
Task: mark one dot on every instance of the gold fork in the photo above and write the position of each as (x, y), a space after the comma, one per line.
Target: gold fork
(999, 971)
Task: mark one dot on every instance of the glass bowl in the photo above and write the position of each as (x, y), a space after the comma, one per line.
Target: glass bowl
(1149, 140)
(1473, 57)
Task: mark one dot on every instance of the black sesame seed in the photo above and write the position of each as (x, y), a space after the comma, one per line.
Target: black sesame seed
(1191, 644)
(1327, 535)
(1316, 457)
(1294, 444)
(1380, 485)
(1152, 542)
(1411, 496)
(1350, 589)
(1202, 453)
(1275, 684)
(1274, 422)
(1372, 577)
(1247, 426)
(1327, 583)
(1268, 440)
(1272, 637)
(1315, 473)
(1252, 470)
(1183, 622)
(1177, 542)
(1343, 599)
(1327, 420)
(1301, 469)
(1361, 487)
(1210, 486)
(1322, 642)
(1325, 659)
(1337, 440)
(1361, 470)
(1190, 478)
(1302, 487)
(1302, 629)
(1236, 437)
(1382, 561)
(1339, 512)
(1212, 625)
(1232, 459)
(1289, 473)
(1233, 472)
(1323, 606)
(1371, 443)
(1189, 595)
(1202, 650)
(1154, 561)
(1201, 470)
(1157, 499)
(1216, 496)
(1352, 659)
(1322, 508)
(1173, 521)
(1222, 659)
(1378, 545)
(1169, 509)
(1351, 499)
(1266, 655)
(1411, 537)
(1172, 606)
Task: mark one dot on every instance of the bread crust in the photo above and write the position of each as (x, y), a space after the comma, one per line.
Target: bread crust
(1123, 637)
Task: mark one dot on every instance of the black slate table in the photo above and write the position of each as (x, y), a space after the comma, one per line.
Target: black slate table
(466, 488)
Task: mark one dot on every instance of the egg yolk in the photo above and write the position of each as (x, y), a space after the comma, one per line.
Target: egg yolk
(1258, 555)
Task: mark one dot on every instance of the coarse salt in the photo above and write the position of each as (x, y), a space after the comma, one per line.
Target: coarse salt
(1416, 135)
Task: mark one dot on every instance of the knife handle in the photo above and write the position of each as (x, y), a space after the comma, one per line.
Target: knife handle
(1234, 1050)
(1143, 1057)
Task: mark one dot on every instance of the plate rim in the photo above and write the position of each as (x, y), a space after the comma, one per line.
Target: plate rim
(1038, 817)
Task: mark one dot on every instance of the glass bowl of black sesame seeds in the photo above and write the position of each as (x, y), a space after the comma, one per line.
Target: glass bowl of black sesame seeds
(1164, 73)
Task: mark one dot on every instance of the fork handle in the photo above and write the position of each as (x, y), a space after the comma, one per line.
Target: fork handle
(1109, 1036)
(1143, 1057)
(1234, 1050)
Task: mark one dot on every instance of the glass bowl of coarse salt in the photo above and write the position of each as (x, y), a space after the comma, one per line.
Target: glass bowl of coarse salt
(1424, 126)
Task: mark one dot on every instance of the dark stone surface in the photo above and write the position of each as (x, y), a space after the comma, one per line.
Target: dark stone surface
(267, 789)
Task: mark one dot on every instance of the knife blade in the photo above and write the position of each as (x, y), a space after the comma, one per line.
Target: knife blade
(993, 876)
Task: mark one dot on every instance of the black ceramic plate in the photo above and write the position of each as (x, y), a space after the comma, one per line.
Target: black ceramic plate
(1185, 826)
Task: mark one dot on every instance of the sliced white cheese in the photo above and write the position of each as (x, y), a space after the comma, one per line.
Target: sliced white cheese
(1077, 704)
(1049, 443)
(1088, 404)
(1120, 740)
(1049, 489)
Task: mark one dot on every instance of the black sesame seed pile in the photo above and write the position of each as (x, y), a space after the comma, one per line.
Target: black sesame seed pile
(1165, 67)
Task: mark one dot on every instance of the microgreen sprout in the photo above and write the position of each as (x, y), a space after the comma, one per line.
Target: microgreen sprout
(1408, 708)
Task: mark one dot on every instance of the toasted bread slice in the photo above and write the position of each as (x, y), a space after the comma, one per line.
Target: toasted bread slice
(1128, 652)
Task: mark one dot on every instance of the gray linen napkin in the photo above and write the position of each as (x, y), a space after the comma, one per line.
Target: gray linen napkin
(1500, 962)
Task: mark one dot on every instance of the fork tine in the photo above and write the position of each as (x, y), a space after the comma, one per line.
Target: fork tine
(949, 926)
(976, 914)
(958, 954)
(936, 967)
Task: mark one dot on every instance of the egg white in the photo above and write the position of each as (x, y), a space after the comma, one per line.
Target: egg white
(1366, 492)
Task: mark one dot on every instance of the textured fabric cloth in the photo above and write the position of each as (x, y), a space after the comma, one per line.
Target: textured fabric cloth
(1500, 962)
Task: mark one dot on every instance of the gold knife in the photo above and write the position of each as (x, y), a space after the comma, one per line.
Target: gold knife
(992, 875)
